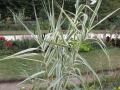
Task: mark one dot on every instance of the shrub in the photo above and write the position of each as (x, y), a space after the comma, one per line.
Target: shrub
(8, 44)
(83, 47)
(2, 41)
(86, 47)
(112, 42)
(44, 25)
(24, 44)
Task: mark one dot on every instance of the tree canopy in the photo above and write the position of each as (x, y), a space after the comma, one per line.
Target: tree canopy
(27, 5)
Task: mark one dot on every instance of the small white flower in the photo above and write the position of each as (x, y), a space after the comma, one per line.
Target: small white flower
(93, 2)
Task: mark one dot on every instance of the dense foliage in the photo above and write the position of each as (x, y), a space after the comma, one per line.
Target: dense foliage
(26, 7)
(108, 6)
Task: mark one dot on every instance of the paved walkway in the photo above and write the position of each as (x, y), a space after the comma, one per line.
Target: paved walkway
(14, 86)
(9, 86)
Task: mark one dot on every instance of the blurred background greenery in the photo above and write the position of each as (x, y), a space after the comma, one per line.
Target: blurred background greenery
(24, 10)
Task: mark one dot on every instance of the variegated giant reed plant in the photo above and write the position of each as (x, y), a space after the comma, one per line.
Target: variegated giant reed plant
(62, 63)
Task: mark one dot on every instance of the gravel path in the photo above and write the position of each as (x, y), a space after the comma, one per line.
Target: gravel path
(9, 86)
(14, 86)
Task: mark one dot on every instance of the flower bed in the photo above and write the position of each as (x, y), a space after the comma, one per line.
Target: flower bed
(12, 46)
(5, 43)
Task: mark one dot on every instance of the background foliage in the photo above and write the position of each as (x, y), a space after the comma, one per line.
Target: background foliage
(107, 6)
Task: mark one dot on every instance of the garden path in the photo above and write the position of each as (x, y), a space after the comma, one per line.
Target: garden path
(9, 86)
(13, 86)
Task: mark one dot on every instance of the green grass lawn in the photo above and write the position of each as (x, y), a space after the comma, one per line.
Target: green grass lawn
(24, 32)
(98, 60)
(18, 68)
(18, 32)
(10, 32)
